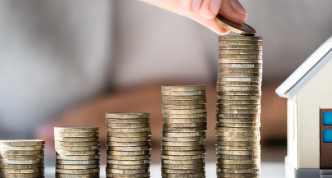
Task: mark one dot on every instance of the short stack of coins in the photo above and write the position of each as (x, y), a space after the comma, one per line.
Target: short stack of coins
(22, 158)
(238, 106)
(77, 152)
(184, 131)
(128, 142)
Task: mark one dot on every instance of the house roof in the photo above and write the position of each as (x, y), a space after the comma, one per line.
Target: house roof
(308, 69)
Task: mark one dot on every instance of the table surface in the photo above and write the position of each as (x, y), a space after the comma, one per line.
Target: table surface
(269, 170)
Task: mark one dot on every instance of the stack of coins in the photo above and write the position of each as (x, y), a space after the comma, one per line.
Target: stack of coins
(77, 152)
(184, 131)
(238, 106)
(128, 142)
(22, 158)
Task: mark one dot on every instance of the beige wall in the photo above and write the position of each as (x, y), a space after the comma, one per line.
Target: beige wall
(292, 132)
(315, 95)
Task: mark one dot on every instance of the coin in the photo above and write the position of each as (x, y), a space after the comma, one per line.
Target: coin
(134, 148)
(237, 143)
(186, 157)
(242, 106)
(250, 156)
(188, 102)
(239, 120)
(127, 121)
(126, 158)
(183, 93)
(77, 148)
(125, 115)
(198, 124)
(183, 134)
(239, 70)
(183, 111)
(183, 148)
(76, 153)
(256, 76)
(174, 129)
(76, 139)
(76, 134)
(252, 175)
(254, 147)
(85, 157)
(232, 162)
(238, 166)
(131, 171)
(127, 175)
(182, 139)
(22, 143)
(132, 139)
(21, 166)
(239, 79)
(41, 174)
(202, 142)
(143, 129)
(196, 175)
(145, 161)
(182, 166)
(246, 47)
(242, 29)
(220, 124)
(183, 171)
(238, 102)
(22, 171)
(31, 161)
(184, 98)
(240, 51)
(22, 157)
(253, 138)
(241, 61)
(240, 56)
(183, 121)
(128, 135)
(241, 88)
(239, 38)
(57, 175)
(21, 148)
(126, 153)
(78, 171)
(249, 66)
(239, 97)
(183, 88)
(57, 143)
(76, 129)
(128, 143)
(183, 153)
(134, 166)
(138, 125)
(239, 42)
(77, 162)
(197, 106)
(89, 166)
(238, 111)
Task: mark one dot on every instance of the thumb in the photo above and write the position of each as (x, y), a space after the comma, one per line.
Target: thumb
(233, 10)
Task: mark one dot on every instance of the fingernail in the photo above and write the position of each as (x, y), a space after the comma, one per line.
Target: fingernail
(236, 5)
(215, 6)
(196, 4)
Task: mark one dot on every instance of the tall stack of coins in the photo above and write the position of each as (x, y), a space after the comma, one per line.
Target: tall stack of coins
(77, 152)
(128, 142)
(184, 131)
(238, 106)
(22, 158)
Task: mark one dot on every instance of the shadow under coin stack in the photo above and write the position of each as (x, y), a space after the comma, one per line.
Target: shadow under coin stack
(128, 142)
(77, 152)
(238, 106)
(22, 158)
(184, 131)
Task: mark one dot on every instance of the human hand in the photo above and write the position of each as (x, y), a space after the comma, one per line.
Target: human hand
(204, 11)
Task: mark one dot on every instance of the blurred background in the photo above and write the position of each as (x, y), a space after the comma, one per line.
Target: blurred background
(68, 62)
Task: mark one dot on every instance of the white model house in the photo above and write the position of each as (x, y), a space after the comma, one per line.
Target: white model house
(309, 94)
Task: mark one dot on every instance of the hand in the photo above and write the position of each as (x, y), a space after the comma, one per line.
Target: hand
(204, 11)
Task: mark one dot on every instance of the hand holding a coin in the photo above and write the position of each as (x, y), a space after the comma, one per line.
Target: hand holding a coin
(204, 11)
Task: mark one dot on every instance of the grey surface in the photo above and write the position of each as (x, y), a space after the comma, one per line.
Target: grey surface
(269, 170)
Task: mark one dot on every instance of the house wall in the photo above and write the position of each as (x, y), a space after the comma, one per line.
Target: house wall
(292, 132)
(315, 95)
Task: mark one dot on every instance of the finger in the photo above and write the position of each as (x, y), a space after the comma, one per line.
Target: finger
(186, 7)
(233, 11)
(209, 8)
(210, 23)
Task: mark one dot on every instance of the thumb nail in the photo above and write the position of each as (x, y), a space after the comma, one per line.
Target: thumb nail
(215, 6)
(236, 5)
(196, 4)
